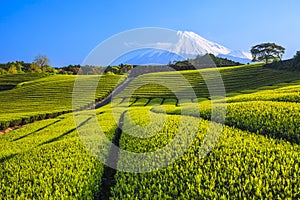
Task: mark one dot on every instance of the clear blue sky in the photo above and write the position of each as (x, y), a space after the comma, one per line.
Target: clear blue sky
(67, 30)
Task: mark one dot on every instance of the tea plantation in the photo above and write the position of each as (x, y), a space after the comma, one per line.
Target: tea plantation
(255, 154)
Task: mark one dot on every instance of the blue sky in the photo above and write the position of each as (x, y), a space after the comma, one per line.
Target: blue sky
(66, 31)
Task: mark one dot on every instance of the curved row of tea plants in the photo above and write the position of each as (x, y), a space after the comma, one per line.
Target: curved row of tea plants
(48, 159)
(288, 92)
(273, 119)
(242, 165)
(255, 112)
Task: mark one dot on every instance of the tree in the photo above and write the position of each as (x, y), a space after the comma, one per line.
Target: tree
(47, 68)
(42, 61)
(296, 60)
(2, 71)
(35, 68)
(19, 67)
(12, 69)
(267, 52)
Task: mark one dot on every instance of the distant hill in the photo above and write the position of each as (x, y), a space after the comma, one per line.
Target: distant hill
(136, 70)
(218, 61)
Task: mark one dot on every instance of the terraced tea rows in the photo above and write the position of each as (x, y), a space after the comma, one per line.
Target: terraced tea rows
(288, 92)
(190, 83)
(10, 81)
(49, 96)
(242, 165)
(48, 159)
(255, 112)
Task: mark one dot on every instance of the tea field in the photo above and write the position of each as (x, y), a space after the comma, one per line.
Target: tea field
(47, 96)
(254, 155)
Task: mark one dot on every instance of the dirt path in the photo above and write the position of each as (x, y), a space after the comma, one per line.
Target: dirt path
(115, 92)
(2, 132)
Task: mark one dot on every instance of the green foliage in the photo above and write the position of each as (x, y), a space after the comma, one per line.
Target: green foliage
(267, 52)
(19, 67)
(48, 69)
(42, 61)
(34, 100)
(274, 119)
(121, 69)
(10, 81)
(12, 69)
(285, 92)
(297, 56)
(81, 70)
(256, 113)
(296, 61)
(2, 71)
(219, 62)
(47, 160)
(235, 79)
(41, 65)
(242, 165)
(289, 65)
(70, 69)
(35, 68)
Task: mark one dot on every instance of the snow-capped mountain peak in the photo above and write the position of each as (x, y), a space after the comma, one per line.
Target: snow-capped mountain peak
(190, 43)
(186, 45)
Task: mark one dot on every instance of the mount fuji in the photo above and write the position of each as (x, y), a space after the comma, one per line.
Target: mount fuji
(187, 45)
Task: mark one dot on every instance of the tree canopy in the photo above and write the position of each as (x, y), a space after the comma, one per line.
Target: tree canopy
(267, 52)
(40, 65)
(42, 61)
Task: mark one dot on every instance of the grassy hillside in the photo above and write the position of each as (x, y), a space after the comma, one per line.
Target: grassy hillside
(10, 81)
(257, 155)
(50, 95)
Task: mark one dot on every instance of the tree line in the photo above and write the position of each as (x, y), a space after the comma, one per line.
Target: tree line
(41, 64)
(290, 64)
(270, 53)
(92, 70)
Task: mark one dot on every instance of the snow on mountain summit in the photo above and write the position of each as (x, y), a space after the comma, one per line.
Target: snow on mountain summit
(190, 43)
